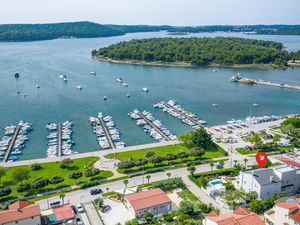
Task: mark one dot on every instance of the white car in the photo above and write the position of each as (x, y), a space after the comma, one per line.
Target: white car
(80, 208)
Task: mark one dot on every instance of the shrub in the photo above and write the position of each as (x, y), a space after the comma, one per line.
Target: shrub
(66, 163)
(126, 165)
(183, 155)
(90, 172)
(170, 157)
(89, 184)
(197, 152)
(149, 154)
(36, 166)
(186, 207)
(39, 183)
(5, 191)
(170, 184)
(23, 187)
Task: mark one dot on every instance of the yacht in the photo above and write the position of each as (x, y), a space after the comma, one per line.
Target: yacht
(145, 89)
(127, 95)
(125, 84)
(105, 98)
(215, 105)
(234, 78)
(120, 80)
(17, 75)
(93, 73)
(79, 87)
(37, 86)
(256, 105)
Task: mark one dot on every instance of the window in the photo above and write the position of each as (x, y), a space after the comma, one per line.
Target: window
(17, 222)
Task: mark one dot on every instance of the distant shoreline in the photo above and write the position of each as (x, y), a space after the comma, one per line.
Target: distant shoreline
(184, 64)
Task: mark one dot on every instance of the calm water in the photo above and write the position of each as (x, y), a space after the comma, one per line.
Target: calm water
(194, 88)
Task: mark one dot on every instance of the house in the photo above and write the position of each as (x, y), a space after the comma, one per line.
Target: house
(58, 214)
(241, 216)
(215, 187)
(153, 200)
(268, 181)
(286, 211)
(21, 213)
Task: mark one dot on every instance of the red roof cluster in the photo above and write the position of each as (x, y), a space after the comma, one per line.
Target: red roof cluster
(63, 212)
(289, 161)
(294, 211)
(241, 216)
(147, 199)
(18, 211)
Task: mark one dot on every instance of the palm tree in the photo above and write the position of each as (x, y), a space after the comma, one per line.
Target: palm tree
(192, 170)
(245, 161)
(126, 183)
(221, 163)
(235, 162)
(107, 189)
(62, 197)
(148, 178)
(212, 165)
(168, 175)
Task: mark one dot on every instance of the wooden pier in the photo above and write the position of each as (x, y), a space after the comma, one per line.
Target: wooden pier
(11, 143)
(59, 134)
(107, 134)
(155, 127)
(185, 115)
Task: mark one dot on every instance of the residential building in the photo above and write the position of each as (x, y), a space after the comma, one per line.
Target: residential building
(153, 200)
(241, 216)
(286, 211)
(21, 213)
(58, 215)
(268, 181)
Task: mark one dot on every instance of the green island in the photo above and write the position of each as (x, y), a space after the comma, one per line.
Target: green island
(85, 29)
(219, 51)
(37, 178)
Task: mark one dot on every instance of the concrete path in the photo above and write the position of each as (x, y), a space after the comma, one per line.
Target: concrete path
(92, 214)
(202, 196)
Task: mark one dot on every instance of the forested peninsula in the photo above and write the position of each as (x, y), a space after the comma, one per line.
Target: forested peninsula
(35, 32)
(219, 51)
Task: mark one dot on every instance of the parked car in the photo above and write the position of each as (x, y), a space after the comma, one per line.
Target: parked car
(79, 221)
(96, 191)
(105, 208)
(80, 208)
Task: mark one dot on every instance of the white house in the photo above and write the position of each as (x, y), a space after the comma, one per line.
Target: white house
(268, 181)
(286, 211)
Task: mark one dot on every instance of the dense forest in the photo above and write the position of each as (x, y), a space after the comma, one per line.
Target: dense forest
(198, 51)
(34, 32)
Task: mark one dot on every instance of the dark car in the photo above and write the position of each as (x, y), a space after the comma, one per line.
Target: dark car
(105, 208)
(96, 191)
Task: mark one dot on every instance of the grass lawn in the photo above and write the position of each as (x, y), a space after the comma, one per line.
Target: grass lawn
(52, 169)
(245, 151)
(212, 152)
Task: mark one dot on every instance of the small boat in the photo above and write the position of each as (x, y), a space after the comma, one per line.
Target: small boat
(17, 75)
(145, 89)
(18, 91)
(37, 86)
(215, 71)
(235, 78)
(79, 87)
(215, 105)
(128, 95)
(93, 73)
(256, 105)
(24, 95)
(119, 80)
(65, 79)
(105, 98)
(125, 84)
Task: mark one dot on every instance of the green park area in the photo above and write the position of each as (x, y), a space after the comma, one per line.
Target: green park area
(45, 177)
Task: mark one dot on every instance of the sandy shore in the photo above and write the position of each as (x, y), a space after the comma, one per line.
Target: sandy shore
(184, 64)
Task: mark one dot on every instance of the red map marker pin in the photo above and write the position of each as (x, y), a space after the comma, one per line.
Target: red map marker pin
(261, 159)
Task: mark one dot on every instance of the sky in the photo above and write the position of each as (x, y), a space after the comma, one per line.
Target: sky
(152, 12)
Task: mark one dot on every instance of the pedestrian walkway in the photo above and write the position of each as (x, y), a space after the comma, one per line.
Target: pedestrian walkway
(202, 196)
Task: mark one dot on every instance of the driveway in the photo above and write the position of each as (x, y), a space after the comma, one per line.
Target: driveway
(118, 213)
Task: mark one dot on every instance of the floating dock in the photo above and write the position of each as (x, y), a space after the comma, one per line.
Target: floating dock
(154, 127)
(111, 143)
(185, 115)
(11, 144)
(59, 128)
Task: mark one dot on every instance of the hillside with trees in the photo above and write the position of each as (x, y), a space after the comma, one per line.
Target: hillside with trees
(197, 51)
(35, 32)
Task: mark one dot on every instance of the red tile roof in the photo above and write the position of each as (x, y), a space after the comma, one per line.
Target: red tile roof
(287, 205)
(147, 199)
(295, 215)
(18, 211)
(289, 161)
(63, 212)
(241, 216)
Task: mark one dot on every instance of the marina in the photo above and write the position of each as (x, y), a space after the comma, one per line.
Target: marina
(12, 144)
(153, 126)
(60, 139)
(175, 110)
(108, 136)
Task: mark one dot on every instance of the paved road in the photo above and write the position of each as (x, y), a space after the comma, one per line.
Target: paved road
(80, 196)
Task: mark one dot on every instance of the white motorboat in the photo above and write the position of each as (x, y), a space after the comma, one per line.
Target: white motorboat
(145, 89)
(79, 87)
(93, 73)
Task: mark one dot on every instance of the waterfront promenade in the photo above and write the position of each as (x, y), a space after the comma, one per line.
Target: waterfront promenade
(99, 153)
(11, 144)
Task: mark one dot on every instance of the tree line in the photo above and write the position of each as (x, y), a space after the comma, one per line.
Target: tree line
(34, 32)
(199, 51)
